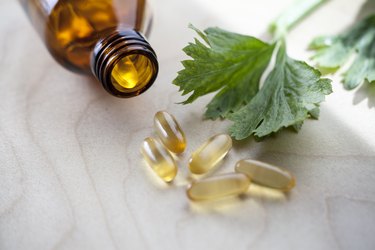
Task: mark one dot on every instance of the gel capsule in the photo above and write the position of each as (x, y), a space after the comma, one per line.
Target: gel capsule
(218, 186)
(210, 153)
(169, 132)
(266, 174)
(159, 159)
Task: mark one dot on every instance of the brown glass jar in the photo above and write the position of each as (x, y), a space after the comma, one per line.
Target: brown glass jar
(102, 37)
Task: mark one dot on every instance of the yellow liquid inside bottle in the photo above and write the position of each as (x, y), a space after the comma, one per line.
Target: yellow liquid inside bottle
(101, 37)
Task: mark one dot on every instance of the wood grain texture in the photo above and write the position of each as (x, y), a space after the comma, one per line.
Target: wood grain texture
(72, 176)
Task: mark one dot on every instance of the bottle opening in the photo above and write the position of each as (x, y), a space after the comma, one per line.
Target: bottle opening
(124, 63)
(132, 73)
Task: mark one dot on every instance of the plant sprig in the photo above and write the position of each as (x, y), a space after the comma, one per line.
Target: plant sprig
(333, 52)
(232, 65)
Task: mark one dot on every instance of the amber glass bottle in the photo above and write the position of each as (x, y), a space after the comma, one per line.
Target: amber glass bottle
(104, 37)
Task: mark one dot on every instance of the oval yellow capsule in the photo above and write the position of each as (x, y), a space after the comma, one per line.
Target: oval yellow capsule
(210, 153)
(218, 186)
(266, 174)
(169, 132)
(159, 159)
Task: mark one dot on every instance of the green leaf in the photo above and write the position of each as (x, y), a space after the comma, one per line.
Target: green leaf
(232, 65)
(229, 63)
(332, 52)
(291, 93)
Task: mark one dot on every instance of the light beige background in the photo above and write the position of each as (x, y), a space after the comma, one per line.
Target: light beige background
(72, 177)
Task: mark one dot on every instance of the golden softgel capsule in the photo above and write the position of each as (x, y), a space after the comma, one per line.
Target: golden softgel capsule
(169, 132)
(218, 186)
(210, 153)
(159, 159)
(266, 174)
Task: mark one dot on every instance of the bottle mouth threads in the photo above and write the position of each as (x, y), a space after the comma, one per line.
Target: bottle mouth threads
(124, 63)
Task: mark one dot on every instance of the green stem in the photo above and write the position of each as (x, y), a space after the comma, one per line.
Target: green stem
(292, 16)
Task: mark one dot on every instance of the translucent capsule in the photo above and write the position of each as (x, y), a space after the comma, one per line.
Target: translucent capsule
(169, 132)
(159, 159)
(210, 153)
(266, 174)
(218, 186)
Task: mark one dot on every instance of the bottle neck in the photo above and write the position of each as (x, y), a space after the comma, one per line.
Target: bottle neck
(125, 63)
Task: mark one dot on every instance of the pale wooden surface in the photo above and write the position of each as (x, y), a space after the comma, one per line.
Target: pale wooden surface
(72, 177)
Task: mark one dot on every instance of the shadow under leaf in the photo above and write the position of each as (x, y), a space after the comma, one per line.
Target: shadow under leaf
(365, 91)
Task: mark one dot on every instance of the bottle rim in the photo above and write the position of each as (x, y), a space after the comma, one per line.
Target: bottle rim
(110, 50)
